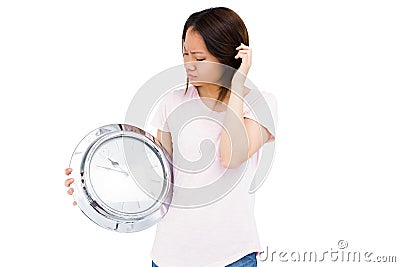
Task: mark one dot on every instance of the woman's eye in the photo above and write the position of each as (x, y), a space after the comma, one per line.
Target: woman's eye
(185, 54)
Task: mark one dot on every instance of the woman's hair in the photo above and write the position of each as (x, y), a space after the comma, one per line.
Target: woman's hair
(222, 31)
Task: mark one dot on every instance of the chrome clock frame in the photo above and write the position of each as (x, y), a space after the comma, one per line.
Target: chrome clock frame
(93, 207)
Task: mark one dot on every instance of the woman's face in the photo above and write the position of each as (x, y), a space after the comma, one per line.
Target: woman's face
(201, 66)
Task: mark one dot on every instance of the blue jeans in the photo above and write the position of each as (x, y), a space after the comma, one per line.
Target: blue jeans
(247, 261)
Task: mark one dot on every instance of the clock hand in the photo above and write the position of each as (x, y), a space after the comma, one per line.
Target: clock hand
(114, 163)
(111, 169)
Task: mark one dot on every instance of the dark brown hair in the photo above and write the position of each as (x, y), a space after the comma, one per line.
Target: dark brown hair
(222, 31)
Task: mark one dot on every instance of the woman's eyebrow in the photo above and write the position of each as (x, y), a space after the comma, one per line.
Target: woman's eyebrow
(194, 52)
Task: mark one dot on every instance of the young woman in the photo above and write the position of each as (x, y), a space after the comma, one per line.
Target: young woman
(221, 233)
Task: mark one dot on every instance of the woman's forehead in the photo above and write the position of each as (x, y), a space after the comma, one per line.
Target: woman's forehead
(194, 42)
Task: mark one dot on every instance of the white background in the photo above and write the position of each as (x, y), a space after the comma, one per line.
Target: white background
(67, 67)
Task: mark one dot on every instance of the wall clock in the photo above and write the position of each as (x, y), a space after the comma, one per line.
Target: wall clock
(125, 179)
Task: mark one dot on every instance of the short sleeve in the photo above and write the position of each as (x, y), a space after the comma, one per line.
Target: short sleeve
(262, 108)
(160, 117)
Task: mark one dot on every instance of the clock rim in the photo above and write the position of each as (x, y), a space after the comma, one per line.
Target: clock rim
(96, 212)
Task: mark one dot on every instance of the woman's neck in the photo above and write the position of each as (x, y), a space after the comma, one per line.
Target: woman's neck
(209, 91)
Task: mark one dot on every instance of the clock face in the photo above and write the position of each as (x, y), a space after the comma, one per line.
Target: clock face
(126, 175)
(126, 178)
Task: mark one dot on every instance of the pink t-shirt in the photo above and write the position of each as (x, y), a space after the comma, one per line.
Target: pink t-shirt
(206, 224)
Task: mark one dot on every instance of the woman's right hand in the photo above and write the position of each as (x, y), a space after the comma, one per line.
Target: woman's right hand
(68, 182)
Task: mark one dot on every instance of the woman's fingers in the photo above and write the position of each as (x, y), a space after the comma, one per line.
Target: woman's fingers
(243, 49)
(245, 54)
(68, 171)
(70, 191)
(68, 182)
(241, 53)
(242, 45)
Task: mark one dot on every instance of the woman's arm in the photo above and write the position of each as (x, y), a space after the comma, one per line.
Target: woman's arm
(240, 137)
(166, 140)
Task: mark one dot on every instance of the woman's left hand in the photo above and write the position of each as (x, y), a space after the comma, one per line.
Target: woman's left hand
(245, 54)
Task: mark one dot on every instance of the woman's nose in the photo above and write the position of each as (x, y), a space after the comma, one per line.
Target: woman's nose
(190, 66)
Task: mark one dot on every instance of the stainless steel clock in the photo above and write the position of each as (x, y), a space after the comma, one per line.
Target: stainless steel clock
(126, 178)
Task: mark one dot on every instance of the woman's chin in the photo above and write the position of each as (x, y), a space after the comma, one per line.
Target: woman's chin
(195, 83)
